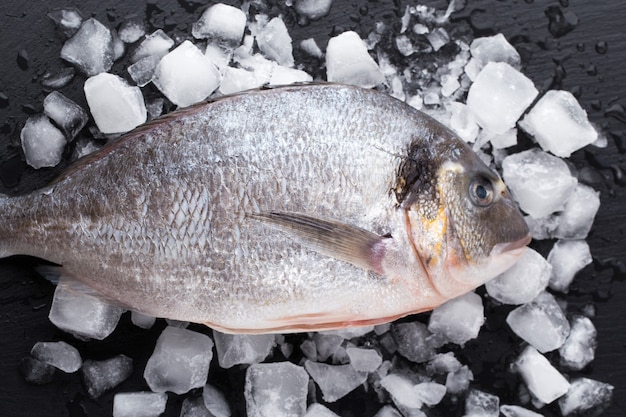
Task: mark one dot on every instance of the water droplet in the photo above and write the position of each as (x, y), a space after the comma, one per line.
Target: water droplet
(580, 47)
(591, 69)
(564, 3)
(22, 59)
(560, 23)
(481, 21)
(602, 47)
(364, 11)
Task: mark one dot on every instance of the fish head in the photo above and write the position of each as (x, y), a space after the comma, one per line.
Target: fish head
(461, 220)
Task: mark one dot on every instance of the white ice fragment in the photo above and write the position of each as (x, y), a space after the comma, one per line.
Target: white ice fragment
(180, 361)
(101, 376)
(567, 257)
(285, 76)
(276, 389)
(349, 62)
(462, 121)
(142, 71)
(495, 49)
(504, 140)
(58, 354)
(221, 23)
(274, 42)
(115, 106)
(523, 282)
(459, 319)
(215, 401)
(438, 38)
(42, 142)
(541, 323)
(499, 96)
(430, 393)
(481, 404)
(308, 349)
(576, 219)
(119, 47)
(449, 84)
(364, 360)
(459, 380)
(235, 349)
(381, 329)
(416, 102)
(177, 323)
(401, 390)
(580, 346)
(420, 29)
(313, 9)
(586, 397)
(413, 341)
(473, 68)
(405, 46)
(193, 406)
(539, 182)
(156, 44)
(218, 55)
(310, 47)
(235, 80)
(326, 344)
(90, 50)
(83, 315)
(517, 411)
(67, 115)
(318, 410)
(541, 378)
(131, 30)
(350, 332)
(139, 404)
(335, 381)
(443, 363)
(142, 320)
(186, 76)
(68, 20)
(559, 124)
(388, 411)
(431, 98)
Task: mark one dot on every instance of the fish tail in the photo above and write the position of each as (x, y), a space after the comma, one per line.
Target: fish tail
(6, 231)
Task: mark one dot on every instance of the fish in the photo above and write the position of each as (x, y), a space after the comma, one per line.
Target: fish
(283, 209)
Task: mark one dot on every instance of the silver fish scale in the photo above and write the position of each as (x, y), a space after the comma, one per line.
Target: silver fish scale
(160, 221)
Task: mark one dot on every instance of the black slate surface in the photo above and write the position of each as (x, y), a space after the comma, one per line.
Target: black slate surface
(589, 60)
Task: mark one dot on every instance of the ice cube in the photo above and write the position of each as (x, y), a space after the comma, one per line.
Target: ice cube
(413, 341)
(142, 320)
(131, 30)
(313, 9)
(539, 182)
(186, 76)
(59, 79)
(83, 315)
(335, 381)
(284, 76)
(142, 71)
(309, 350)
(402, 391)
(139, 404)
(58, 354)
(517, 411)
(215, 402)
(101, 376)
(459, 319)
(541, 378)
(36, 372)
(438, 38)
(580, 346)
(458, 381)
(567, 257)
(586, 397)
(154, 108)
(68, 20)
(235, 349)
(42, 142)
(274, 42)
(449, 84)
(405, 46)
(388, 411)
(68, 115)
(462, 121)
(177, 323)
(349, 62)
(541, 323)
(559, 124)
(522, 282)
(326, 344)
(90, 50)
(430, 393)
(221, 23)
(180, 361)
(495, 49)
(276, 389)
(119, 47)
(156, 44)
(577, 217)
(310, 47)
(219, 56)
(499, 96)
(193, 406)
(116, 107)
(504, 140)
(481, 404)
(443, 363)
(318, 410)
(364, 360)
(350, 332)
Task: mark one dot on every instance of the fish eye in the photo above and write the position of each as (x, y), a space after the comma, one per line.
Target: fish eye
(481, 192)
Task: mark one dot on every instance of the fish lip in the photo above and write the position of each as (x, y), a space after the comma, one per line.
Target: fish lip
(514, 246)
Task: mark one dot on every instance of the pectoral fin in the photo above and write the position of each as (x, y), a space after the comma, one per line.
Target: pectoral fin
(342, 241)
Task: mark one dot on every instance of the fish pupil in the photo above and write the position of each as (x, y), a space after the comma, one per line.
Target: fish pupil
(481, 192)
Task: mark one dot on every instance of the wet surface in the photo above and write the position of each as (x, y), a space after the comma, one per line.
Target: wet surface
(577, 46)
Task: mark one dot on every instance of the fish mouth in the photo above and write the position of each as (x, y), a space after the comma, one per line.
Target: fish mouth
(514, 246)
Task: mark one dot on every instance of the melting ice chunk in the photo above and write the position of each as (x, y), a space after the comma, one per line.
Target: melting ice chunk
(499, 96)
(539, 182)
(586, 397)
(388, 411)
(364, 360)
(234, 349)
(67, 20)
(541, 378)
(335, 381)
(284, 76)
(180, 361)
(141, 320)
(402, 391)
(142, 71)
(580, 346)
(139, 404)
(438, 38)
(310, 47)
(481, 404)
(238, 79)
(276, 389)
(83, 315)
(495, 49)
(443, 363)
(69, 116)
(115, 106)
(523, 281)
(221, 23)
(517, 411)
(459, 319)
(215, 402)
(186, 76)
(414, 341)
(36, 371)
(318, 410)
(101, 376)
(275, 43)
(42, 142)
(348, 62)
(559, 124)
(541, 323)
(430, 393)
(462, 121)
(459, 380)
(567, 257)
(58, 354)
(313, 9)
(326, 344)
(156, 44)
(131, 30)
(90, 50)
(193, 406)
(577, 217)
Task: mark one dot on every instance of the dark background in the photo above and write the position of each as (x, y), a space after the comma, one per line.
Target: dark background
(590, 61)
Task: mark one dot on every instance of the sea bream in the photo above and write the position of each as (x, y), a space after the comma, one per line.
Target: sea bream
(277, 210)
